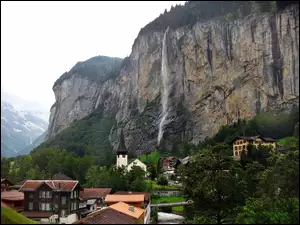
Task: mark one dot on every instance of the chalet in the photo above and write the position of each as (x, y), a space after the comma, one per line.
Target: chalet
(136, 199)
(5, 184)
(54, 201)
(118, 213)
(168, 163)
(185, 161)
(94, 197)
(13, 199)
(240, 143)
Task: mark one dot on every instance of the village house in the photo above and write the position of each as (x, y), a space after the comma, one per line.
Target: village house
(93, 198)
(13, 199)
(118, 213)
(5, 184)
(240, 144)
(122, 157)
(51, 201)
(136, 199)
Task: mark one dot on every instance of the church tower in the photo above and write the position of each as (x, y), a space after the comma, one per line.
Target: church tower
(122, 153)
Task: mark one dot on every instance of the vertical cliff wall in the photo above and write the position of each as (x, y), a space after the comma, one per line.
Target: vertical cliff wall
(218, 71)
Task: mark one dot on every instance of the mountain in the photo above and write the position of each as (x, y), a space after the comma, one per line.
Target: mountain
(18, 129)
(191, 71)
(23, 105)
(35, 144)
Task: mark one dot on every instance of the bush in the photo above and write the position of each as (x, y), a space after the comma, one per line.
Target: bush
(167, 209)
(162, 180)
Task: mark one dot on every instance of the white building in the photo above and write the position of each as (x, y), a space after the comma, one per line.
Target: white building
(122, 156)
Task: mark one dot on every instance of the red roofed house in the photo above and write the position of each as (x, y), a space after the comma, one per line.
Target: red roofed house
(13, 199)
(93, 198)
(5, 184)
(54, 201)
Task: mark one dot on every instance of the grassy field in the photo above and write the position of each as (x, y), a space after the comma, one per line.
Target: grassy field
(9, 216)
(288, 142)
(171, 199)
(157, 186)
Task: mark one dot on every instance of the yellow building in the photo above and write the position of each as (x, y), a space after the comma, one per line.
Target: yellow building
(240, 143)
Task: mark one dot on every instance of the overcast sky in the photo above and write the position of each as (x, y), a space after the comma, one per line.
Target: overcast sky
(42, 40)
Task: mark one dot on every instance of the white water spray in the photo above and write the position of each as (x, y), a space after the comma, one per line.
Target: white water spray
(165, 94)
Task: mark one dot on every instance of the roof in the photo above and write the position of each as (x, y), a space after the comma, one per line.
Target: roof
(124, 208)
(90, 201)
(4, 179)
(146, 194)
(61, 176)
(107, 216)
(12, 196)
(125, 198)
(56, 185)
(91, 193)
(132, 160)
(253, 138)
(121, 147)
(37, 214)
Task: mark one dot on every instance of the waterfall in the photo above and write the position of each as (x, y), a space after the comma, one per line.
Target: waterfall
(165, 81)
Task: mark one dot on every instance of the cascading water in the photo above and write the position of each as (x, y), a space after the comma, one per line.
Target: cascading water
(165, 94)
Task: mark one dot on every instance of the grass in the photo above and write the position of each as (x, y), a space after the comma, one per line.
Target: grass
(288, 142)
(9, 216)
(162, 187)
(171, 199)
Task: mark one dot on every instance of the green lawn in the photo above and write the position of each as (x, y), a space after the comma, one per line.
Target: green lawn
(9, 216)
(288, 142)
(171, 199)
(157, 186)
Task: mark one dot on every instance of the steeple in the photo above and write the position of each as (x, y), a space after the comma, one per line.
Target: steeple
(122, 150)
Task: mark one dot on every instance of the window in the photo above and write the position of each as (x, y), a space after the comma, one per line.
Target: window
(42, 194)
(123, 156)
(71, 194)
(31, 195)
(240, 147)
(42, 206)
(244, 147)
(75, 194)
(48, 194)
(63, 200)
(48, 207)
(30, 206)
(63, 213)
(235, 148)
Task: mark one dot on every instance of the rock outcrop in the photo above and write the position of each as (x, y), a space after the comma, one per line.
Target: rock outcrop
(219, 71)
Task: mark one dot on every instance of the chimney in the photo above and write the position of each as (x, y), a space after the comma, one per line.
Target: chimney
(131, 208)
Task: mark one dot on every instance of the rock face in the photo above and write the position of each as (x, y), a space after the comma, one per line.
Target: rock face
(219, 71)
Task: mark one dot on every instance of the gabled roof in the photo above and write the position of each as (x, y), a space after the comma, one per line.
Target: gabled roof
(92, 193)
(61, 176)
(125, 198)
(253, 138)
(12, 196)
(4, 179)
(55, 185)
(132, 160)
(107, 216)
(125, 208)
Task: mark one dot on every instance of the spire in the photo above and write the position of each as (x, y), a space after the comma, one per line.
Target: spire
(122, 148)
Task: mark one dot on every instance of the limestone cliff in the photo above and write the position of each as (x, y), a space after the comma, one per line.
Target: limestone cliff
(219, 70)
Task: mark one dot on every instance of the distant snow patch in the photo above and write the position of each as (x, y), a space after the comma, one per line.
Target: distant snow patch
(17, 130)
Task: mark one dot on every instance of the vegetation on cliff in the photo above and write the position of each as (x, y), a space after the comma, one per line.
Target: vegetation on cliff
(9, 216)
(194, 11)
(99, 68)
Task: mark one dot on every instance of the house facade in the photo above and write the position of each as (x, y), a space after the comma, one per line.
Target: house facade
(5, 184)
(55, 201)
(240, 144)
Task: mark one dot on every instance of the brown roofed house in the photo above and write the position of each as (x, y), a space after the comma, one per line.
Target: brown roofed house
(119, 213)
(14, 199)
(5, 184)
(93, 198)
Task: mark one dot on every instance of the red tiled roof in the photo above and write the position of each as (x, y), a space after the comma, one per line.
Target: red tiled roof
(63, 185)
(90, 193)
(37, 214)
(12, 196)
(107, 216)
